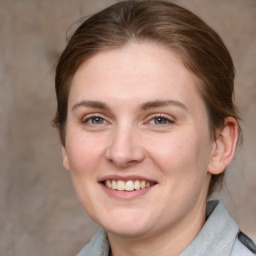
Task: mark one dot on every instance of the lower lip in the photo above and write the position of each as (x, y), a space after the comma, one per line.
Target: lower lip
(126, 195)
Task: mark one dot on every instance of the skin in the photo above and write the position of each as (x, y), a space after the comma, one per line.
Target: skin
(136, 111)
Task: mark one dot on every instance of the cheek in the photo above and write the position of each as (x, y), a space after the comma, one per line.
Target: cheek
(85, 155)
(181, 160)
(169, 150)
(84, 152)
(180, 154)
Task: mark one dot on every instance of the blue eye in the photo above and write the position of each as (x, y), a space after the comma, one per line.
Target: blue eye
(96, 120)
(160, 120)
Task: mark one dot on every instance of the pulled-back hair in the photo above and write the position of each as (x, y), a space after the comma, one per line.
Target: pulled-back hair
(199, 47)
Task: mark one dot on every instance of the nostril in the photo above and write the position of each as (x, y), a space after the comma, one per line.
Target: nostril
(126, 157)
(124, 148)
(122, 159)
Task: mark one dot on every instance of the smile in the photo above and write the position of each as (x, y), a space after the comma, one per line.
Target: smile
(128, 185)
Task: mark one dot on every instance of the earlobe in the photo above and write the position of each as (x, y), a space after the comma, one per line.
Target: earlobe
(224, 147)
(65, 158)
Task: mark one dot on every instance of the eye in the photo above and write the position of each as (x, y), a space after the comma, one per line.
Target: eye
(94, 120)
(160, 120)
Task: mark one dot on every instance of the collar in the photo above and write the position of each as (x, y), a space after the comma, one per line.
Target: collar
(98, 246)
(215, 238)
(217, 235)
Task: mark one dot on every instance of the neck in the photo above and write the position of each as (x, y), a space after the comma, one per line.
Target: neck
(167, 241)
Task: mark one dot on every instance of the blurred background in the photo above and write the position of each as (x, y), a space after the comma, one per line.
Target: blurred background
(39, 212)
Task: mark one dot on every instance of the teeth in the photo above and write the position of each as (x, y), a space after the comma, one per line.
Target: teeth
(114, 185)
(143, 184)
(108, 184)
(127, 185)
(120, 185)
(137, 185)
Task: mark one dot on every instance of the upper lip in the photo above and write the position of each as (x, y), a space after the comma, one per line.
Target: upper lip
(126, 178)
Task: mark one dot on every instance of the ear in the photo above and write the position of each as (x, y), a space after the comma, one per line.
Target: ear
(224, 146)
(65, 160)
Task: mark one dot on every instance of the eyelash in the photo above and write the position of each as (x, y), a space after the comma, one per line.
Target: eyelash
(161, 116)
(89, 120)
(91, 117)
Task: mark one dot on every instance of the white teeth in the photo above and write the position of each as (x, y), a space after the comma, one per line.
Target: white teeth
(120, 185)
(114, 185)
(137, 185)
(127, 185)
(143, 184)
(108, 184)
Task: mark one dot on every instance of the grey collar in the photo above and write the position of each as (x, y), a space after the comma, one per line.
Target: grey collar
(215, 238)
(98, 246)
(217, 235)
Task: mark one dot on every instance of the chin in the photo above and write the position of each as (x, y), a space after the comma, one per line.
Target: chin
(132, 231)
(127, 223)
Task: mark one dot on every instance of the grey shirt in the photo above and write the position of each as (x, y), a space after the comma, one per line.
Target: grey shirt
(217, 237)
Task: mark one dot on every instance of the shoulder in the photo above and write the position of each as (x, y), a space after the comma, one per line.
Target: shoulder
(243, 245)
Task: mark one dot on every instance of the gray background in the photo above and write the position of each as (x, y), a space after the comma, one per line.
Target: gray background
(40, 214)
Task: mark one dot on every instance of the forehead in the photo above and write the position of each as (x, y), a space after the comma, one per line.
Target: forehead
(136, 72)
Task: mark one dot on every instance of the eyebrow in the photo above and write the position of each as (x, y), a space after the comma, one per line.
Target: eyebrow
(91, 104)
(143, 107)
(162, 103)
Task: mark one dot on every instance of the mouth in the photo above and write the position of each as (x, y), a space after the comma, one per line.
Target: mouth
(126, 188)
(127, 185)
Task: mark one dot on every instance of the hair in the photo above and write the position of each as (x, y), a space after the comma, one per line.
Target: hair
(199, 47)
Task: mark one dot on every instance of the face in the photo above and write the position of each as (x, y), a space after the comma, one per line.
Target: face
(137, 141)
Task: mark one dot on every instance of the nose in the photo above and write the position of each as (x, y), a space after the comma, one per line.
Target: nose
(124, 149)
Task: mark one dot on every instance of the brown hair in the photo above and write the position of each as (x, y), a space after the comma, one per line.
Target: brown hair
(200, 48)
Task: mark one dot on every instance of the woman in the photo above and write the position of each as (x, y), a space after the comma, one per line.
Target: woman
(148, 126)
